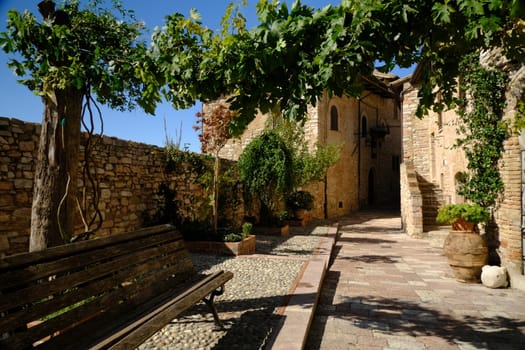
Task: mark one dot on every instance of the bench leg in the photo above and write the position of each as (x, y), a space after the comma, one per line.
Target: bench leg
(211, 305)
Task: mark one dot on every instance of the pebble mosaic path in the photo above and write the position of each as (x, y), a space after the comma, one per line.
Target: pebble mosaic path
(249, 306)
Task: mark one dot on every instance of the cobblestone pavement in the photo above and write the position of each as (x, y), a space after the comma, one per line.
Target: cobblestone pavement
(385, 290)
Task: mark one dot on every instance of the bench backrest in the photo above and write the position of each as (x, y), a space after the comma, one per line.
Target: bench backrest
(43, 292)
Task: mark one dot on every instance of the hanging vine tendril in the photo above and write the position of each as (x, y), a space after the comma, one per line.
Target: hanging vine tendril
(87, 177)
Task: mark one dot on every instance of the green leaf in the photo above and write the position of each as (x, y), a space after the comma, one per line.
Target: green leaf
(442, 11)
(471, 7)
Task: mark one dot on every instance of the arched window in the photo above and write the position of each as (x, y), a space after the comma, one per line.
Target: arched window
(334, 118)
(364, 126)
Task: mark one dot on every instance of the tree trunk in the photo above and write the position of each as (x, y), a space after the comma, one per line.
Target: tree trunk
(56, 174)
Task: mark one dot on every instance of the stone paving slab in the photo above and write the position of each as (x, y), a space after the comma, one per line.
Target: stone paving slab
(386, 290)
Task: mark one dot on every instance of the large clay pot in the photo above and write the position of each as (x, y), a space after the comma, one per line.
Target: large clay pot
(467, 253)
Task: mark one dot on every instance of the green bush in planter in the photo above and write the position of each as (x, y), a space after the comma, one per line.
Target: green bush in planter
(475, 213)
(300, 200)
(232, 235)
(247, 229)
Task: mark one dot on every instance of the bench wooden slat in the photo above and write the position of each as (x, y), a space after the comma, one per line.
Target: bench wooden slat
(72, 278)
(143, 321)
(123, 280)
(95, 287)
(63, 262)
(192, 296)
(102, 312)
(53, 253)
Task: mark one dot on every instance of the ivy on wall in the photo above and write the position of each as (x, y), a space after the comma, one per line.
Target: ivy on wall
(481, 105)
(187, 208)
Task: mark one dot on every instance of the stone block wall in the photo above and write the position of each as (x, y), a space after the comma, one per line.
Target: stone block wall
(18, 144)
(508, 215)
(128, 175)
(411, 201)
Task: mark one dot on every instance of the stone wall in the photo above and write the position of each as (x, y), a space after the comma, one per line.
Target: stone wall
(128, 174)
(508, 215)
(411, 201)
(18, 143)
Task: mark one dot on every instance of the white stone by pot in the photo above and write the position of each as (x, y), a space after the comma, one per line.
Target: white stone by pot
(494, 276)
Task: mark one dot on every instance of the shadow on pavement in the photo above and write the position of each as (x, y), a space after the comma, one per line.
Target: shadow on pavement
(397, 318)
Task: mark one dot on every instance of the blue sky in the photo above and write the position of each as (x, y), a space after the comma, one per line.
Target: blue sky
(17, 101)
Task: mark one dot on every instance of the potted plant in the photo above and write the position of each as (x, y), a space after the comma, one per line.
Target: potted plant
(299, 202)
(465, 249)
(463, 217)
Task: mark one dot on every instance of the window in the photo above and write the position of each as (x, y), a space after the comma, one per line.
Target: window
(364, 127)
(334, 119)
(439, 99)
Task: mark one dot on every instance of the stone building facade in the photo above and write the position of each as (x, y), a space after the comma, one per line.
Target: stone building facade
(431, 166)
(368, 129)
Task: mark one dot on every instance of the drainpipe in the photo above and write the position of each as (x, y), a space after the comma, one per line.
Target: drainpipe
(522, 202)
(325, 136)
(359, 99)
(325, 204)
(359, 153)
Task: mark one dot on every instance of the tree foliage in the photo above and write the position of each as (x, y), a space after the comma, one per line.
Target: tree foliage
(85, 49)
(213, 126)
(295, 53)
(279, 161)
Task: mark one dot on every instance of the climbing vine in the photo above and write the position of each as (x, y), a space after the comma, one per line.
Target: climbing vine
(481, 106)
(519, 118)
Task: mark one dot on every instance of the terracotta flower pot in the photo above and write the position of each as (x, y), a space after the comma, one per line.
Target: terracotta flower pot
(462, 225)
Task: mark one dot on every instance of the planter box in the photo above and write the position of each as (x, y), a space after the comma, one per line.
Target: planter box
(244, 247)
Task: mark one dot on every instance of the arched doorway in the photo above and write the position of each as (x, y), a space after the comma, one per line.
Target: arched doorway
(371, 187)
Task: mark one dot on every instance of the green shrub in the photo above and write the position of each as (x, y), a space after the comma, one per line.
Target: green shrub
(236, 234)
(247, 229)
(233, 237)
(300, 200)
(469, 212)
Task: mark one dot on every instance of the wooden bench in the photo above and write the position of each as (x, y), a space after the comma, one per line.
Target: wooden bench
(106, 293)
